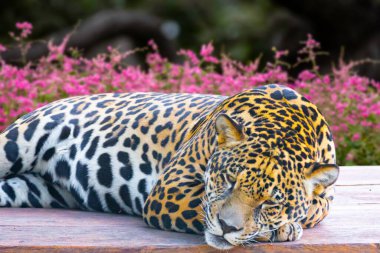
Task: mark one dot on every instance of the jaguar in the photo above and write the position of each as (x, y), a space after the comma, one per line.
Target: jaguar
(254, 167)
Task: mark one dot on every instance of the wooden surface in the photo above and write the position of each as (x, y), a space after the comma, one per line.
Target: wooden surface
(352, 226)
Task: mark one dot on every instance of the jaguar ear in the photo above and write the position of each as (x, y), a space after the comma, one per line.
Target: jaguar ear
(228, 130)
(319, 177)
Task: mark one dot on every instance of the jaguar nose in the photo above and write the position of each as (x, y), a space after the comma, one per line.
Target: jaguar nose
(227, 228)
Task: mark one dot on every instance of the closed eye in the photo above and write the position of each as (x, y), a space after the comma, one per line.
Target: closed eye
(269, 204)
(229, 189)
(226, 193)
(231, 179)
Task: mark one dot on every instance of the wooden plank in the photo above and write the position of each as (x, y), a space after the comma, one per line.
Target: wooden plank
(352, 226)
(348, 219)
(360, 194)
(359, 175)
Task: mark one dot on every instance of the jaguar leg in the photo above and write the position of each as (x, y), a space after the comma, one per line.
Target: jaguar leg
(319, 209)
(31, 190)
(175, 203)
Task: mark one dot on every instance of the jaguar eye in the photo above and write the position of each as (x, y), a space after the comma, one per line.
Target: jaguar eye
(231, 179)
(268, 204)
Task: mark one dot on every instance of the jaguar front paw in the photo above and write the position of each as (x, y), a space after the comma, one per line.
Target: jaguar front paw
(288, 232)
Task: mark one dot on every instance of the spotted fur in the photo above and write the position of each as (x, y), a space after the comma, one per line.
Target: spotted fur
(257, 166)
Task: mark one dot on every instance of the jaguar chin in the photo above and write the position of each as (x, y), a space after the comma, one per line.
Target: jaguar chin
(217, 241)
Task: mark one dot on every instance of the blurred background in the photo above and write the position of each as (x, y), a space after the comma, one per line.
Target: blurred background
(244, 29)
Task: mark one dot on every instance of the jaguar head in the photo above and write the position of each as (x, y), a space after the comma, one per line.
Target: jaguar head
(252, 188)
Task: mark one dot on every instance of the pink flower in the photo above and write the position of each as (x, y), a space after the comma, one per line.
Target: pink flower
(366, 123)
(344, 127)
(191, 89)
(211, 59)
(190, 55)
(153, 45)
(251, 67)
(25, 27)
(156, 62)
(57, 50)
(350, 156)
(2, 48)
(206, 50)
(306, 75)
(326, 79)
(355, 137)
(311, 43)
(279, 54)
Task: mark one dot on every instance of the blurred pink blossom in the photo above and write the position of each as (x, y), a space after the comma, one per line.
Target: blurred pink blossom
(350, 156)
(190, 55)
(206, 53)
(25, 27)
(306, 75)
(311, 42)
(355, 137)
(2, 48)
(279, 54)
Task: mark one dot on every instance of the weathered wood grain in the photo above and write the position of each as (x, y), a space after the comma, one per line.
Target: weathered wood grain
(352, 226)
(359, 175)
